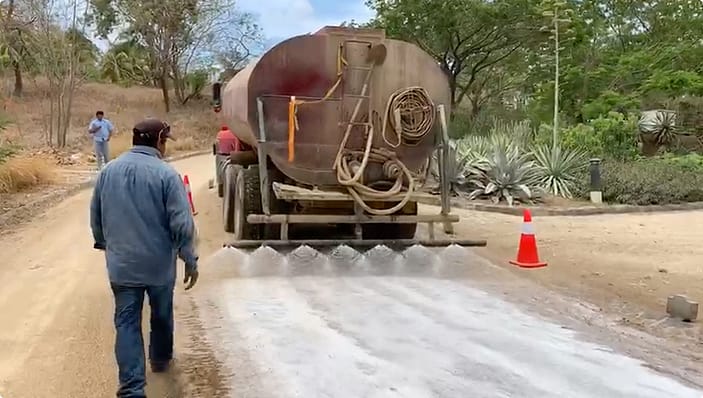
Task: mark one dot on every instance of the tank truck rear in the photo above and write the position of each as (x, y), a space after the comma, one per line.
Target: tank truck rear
(340, 128)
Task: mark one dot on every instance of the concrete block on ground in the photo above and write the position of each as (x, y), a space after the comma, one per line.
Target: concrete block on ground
(679, 306)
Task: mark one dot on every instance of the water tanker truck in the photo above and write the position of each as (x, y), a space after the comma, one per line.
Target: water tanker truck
(339, 128)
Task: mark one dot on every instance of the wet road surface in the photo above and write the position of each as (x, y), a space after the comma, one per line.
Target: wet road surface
(402, 332)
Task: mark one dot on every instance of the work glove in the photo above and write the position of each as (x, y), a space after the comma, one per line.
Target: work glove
(191, 276)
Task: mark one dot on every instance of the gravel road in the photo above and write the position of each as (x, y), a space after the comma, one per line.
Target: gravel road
(56, 339)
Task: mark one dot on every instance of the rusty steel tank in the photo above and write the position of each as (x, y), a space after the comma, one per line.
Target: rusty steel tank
(327, 72)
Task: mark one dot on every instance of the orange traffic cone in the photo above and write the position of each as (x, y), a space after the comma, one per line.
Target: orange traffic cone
(527, 256)
(186, 183)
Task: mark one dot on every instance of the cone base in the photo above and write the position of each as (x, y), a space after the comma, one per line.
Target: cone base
(527, 265)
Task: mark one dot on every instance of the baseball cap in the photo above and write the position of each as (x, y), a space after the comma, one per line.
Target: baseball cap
(153, 127)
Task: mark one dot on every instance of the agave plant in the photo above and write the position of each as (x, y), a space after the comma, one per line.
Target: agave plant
(509, 175)
(512, 133)
(558, 170)
(659, 126)
(665, 128)
(475, 149)
(457, 169)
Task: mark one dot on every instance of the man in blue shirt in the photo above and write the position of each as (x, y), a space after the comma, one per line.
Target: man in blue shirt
(140, 217)
(101, 129)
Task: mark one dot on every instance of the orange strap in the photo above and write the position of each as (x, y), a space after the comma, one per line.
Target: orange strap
(291, 129)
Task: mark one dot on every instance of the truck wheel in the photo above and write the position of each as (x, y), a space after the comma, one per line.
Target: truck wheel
(273, 231)
(229, 196)
(247, 201)
(393, 230)
(220, 167)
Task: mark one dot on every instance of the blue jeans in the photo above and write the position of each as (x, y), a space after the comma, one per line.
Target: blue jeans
(101, 153)
(129, 344)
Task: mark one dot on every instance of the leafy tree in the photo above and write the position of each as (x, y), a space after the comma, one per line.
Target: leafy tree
(469, 38)
(15, 30)
(178, 35)
(127, 62)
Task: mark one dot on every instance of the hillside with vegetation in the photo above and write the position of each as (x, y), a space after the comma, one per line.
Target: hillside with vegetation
(157, 59)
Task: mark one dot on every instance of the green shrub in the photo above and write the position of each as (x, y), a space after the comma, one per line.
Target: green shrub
(4, 120)
(610, 101)
(614, 136)
(582, 137)
(688, 162)
(544, 135)
(650, 182)
(463, 124)
(6, 151)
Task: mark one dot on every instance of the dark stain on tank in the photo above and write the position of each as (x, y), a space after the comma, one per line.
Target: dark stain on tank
(305, 83)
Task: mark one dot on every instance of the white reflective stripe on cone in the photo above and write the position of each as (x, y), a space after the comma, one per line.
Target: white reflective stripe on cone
(527, 228)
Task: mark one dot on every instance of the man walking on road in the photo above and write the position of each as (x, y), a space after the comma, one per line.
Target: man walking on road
(140, 217)
(101, 129)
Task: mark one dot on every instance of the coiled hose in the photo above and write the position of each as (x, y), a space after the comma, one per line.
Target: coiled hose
(413, 115)
(414, 101)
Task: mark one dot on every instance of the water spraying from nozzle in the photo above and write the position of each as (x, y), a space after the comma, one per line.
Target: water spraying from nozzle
(344, 260)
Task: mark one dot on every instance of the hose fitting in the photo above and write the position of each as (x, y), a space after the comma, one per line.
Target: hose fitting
(391, 169)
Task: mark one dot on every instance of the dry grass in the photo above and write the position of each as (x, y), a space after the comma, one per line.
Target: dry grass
(121, 143)
(21, 172)
(195, 125)
(184, 144)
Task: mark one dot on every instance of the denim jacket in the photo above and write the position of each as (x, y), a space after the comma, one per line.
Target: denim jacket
(140, 216)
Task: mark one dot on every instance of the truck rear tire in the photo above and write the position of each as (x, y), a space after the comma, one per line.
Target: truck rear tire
(276, 206)
(247, 201)
(229, 196)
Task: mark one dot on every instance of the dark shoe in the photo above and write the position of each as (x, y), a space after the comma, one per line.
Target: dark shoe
(160, 366)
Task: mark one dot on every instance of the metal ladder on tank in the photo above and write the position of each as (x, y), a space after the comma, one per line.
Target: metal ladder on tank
(363, 95)
(360, 98)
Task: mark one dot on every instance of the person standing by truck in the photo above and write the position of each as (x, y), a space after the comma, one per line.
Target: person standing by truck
(141, 218)
(101, 129)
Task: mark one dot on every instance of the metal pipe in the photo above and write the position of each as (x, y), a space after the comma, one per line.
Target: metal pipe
(263, 158)
(596, 193)
(443, 167)
(357, 243)
(348, 219)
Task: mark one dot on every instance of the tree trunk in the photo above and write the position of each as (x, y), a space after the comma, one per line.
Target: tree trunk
(178, 86)
(452, 89)
(164, 91)
(19, 84)
(15, 62)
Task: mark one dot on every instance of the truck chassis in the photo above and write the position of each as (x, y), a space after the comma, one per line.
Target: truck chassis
(260, 207)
